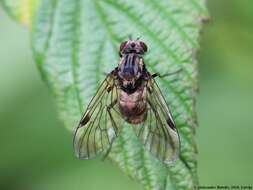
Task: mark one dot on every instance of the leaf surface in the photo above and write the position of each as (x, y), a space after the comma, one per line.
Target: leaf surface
(76, 41)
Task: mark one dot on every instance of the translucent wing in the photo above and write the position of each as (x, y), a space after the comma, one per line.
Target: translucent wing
(100, 123)
(158, 132)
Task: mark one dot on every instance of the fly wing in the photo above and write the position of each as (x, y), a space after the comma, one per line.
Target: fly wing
(158, 132)
(100, 123)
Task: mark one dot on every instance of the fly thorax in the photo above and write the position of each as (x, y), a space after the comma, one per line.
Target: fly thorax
(130, 69)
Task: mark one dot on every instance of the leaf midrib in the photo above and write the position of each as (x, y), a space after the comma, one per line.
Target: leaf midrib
(75, 50)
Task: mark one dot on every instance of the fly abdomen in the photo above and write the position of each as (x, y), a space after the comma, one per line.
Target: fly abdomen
(133, 106)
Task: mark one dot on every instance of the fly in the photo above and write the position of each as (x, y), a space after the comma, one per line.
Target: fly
(128, 94)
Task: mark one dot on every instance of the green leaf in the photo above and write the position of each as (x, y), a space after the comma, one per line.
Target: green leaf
(22, 10)
(76, 41)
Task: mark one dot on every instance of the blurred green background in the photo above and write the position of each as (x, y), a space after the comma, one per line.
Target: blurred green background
(36, 150)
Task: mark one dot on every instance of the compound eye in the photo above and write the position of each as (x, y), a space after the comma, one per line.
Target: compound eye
(144, 46)
(122, 45)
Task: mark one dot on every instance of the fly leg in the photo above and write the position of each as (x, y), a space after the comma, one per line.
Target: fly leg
(174, 76)
(166, 75)
(114, 127)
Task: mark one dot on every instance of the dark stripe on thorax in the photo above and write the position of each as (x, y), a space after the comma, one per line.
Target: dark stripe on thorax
(130, 60)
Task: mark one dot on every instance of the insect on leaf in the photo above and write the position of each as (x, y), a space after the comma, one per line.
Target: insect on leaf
(76, 41)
